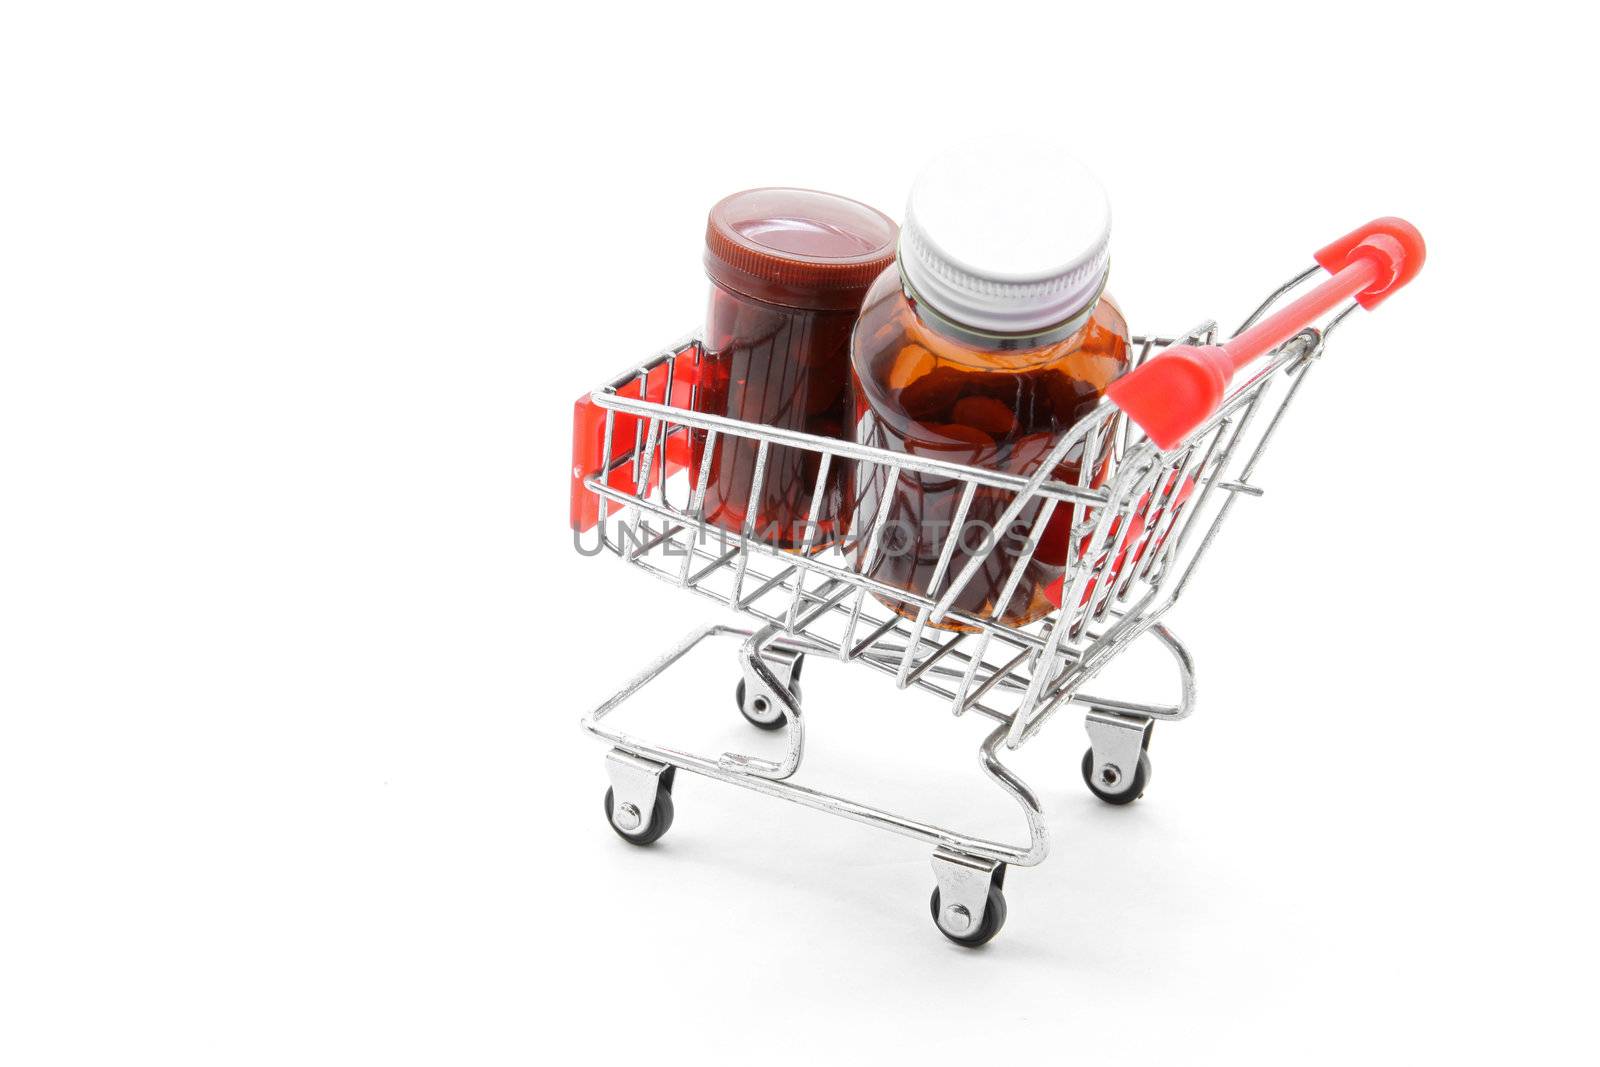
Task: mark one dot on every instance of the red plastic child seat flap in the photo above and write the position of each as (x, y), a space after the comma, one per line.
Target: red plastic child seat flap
(589, 433)
(1137, 542)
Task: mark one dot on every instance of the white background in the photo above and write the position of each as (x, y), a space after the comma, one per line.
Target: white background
(294, 301)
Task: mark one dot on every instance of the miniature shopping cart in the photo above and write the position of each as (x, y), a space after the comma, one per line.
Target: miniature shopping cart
(1186, 444)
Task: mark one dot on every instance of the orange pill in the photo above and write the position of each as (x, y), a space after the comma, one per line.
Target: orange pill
(985, 413)
(966, 436)
(910, 363)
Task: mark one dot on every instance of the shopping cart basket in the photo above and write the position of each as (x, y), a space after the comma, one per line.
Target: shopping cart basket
(1186, 445)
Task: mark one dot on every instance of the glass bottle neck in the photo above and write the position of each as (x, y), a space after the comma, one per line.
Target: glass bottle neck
(1000, 342)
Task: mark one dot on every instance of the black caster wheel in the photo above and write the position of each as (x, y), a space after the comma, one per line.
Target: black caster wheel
(660, 818)
(777, 721)
(994, 917)
(1141, 778)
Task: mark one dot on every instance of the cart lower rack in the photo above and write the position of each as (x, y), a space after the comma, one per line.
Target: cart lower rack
(642, 458)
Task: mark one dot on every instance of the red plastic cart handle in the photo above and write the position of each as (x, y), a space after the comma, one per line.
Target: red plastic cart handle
(1179, 389)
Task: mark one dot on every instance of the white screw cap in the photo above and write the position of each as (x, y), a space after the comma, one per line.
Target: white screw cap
(1006, 241)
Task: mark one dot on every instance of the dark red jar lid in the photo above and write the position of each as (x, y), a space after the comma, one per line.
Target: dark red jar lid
(798, 247)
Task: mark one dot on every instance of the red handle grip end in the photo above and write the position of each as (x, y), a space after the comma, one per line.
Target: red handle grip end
(1394, 244)
(1172, 394)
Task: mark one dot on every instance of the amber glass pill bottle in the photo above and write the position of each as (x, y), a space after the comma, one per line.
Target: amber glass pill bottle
(789, 269)
(989, 337)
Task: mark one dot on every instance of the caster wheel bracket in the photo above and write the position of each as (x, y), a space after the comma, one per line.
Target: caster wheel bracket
(635, 784)
(769, 698)
(1117, 743)
(968, 888)
(763, 677)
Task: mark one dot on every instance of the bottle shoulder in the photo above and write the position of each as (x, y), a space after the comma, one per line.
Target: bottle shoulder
(920, 384)
(890, 330)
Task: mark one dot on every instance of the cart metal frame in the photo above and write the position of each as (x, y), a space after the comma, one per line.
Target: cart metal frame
(1145, 532)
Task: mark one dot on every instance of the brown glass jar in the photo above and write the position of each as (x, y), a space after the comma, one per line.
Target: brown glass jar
(988, 340)
(789, 269)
